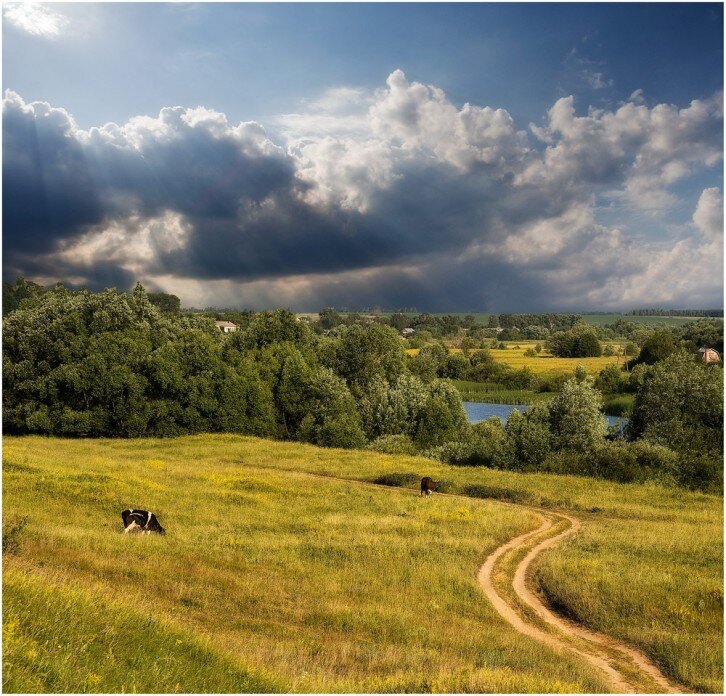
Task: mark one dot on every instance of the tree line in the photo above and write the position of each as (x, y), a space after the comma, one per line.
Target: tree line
(116, 364)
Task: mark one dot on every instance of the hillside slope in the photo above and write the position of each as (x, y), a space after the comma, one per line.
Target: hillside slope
(272, 579)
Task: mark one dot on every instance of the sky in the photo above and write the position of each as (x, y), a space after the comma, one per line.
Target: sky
(448, 157)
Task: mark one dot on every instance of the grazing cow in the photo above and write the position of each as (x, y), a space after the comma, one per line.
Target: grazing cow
(427, 485)
(141, 521)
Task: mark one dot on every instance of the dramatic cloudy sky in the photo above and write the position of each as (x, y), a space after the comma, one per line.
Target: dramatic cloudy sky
(477, 157)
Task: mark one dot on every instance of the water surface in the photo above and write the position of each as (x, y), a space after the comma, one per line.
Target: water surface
(479, 412)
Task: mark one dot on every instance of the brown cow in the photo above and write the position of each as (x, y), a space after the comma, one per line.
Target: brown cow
(427, 485)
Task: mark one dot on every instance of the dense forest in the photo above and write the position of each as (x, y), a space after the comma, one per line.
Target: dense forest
(114, 364)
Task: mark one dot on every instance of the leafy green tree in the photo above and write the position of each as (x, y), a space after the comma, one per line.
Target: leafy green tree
(575, 416)
(365, 352)
(483, 368)
(164, 302)
(466, 345)
(430, 362)
(529, 438)
(393, 409)
(455, 366)
(704, 332)
(679, 404)
(329, 318)
(420, 339)
(398, 321)
(443, 416)
(580, 341)
(657, 347)
(276, 326)
(332, 419)
(109, 364)
(14, 294)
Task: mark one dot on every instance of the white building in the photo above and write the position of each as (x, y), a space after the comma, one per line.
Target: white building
(225, 326)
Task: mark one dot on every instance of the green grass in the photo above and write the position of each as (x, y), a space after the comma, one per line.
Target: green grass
(492, 393)
(665, 596)
(618, 404)
(291, 582)
(301, 583)
(63, 639)
(602, 319)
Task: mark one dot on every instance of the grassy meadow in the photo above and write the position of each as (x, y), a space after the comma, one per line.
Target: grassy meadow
(493, 393)
(291, 582)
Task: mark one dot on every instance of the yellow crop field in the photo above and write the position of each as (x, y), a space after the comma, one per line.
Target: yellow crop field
(544, 363)
(549, 364)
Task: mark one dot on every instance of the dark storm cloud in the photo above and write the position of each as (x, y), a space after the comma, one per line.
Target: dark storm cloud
(408, 200)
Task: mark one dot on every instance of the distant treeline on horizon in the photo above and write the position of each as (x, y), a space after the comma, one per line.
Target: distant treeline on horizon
(676, 313)
(13, 293)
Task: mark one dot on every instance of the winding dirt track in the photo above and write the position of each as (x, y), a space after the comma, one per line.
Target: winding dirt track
(626, 669)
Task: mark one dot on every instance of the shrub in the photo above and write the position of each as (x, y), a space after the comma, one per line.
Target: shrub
(656, 348)
(402, 480)
(482, 444)
(611, 380)
(567, 462)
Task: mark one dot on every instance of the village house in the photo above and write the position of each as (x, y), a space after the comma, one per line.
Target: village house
(225, 326)
(407, 332)
(709, 355)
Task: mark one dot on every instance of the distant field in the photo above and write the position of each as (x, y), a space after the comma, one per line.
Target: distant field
(601, 319)
(294, 583)
(594, 319)
(544, 363)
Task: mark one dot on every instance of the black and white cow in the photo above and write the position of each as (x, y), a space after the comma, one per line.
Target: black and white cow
(141, 521)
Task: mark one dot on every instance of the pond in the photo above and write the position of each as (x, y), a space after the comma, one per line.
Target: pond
(479, 412)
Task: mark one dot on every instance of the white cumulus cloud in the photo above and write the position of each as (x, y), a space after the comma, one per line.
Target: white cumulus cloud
(34, 18)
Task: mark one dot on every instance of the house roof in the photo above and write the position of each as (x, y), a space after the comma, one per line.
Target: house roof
(222, 324)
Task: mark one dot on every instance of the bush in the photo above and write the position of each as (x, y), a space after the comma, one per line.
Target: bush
(482, 444)
(455, 366)
(620, 461)
(567, 462)
(612, 380)
(656, 348)
(402, 480)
